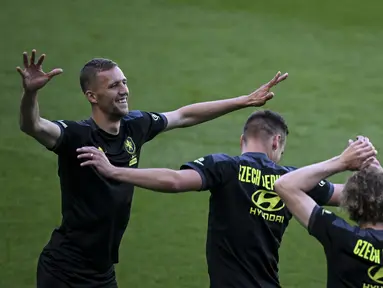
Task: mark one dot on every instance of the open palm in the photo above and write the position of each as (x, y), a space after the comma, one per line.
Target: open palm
(34, 78)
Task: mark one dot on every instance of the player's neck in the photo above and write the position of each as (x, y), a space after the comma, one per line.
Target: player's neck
(377, 226)
(254, 148)
(111, 126)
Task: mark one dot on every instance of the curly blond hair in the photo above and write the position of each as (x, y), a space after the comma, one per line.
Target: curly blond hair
(362, 196)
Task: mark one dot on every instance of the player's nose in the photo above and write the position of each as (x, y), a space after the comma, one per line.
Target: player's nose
(124, 91)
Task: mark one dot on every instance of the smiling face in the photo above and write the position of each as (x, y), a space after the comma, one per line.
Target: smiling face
(111, 92)
(105, 86)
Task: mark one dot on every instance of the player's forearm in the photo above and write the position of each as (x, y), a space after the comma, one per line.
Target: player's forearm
(201, 112)
(29, 113)
(306, 178)
(43, 130)
(157, 179)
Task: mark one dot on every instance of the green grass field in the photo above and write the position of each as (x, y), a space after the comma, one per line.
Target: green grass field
(177, 52)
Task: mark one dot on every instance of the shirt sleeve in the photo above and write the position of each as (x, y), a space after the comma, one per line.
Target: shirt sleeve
(68, 136)
(326, 227)
(211, 168)
(152, 124)
(321, 193)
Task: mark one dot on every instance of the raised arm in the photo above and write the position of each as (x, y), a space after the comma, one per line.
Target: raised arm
(201, 112)
(34, 78)
(293, 186)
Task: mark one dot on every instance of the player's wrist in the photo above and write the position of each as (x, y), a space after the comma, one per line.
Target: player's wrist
(30, 93)
(244, 101)
(338, 164)
(116, 172)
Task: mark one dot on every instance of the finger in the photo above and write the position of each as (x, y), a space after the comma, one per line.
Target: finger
(86, 156)
(87, 149)
(87, 163)
(41, 60)
(362, 138)
(369, 153)
(273, 81)
(375, 162)
(25, 59)
(368, 162)
(33, 57)
(366, 144)
(283, 77)
(350, 142)
(21, 72)
(358, 142)
(363, 148)
(54, 73)
(269, 96)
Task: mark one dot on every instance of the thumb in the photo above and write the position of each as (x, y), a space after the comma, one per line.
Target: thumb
(54, 72)
(269, 96)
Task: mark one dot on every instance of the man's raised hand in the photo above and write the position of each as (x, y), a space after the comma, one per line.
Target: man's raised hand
(34, 78)
(260, 96)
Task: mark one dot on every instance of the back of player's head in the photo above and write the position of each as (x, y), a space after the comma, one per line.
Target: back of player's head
(362, 196)
(264, 124)
(91, 68)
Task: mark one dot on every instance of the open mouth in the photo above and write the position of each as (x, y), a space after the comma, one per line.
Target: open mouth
(123, 100)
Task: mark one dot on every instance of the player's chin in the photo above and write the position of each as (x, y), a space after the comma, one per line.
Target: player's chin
(121, 111)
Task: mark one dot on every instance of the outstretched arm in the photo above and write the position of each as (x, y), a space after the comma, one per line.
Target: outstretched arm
(293, 186)
(34, 78)
(157, 179)
(201, 112)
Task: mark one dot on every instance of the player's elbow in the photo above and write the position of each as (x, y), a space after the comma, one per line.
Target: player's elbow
(177, 183)
(185, 119)
(27, 128)
(281, 186)
(174, 185)
(24, 127)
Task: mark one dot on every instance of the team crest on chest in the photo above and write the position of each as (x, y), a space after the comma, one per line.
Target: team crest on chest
(129, 145)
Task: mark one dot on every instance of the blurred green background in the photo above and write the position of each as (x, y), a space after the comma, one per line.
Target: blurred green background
(177, 52)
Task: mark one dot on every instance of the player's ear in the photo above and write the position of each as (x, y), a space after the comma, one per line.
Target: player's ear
(91, 96)
(242, 141)
(276, 142)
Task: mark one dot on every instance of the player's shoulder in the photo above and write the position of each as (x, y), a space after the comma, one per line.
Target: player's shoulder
(335, 220)
(134, 115)
(289, 168)
(74, 124)
(222, 157)
(139, 115)
(215, 159)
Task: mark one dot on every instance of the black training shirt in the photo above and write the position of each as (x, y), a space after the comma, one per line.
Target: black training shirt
(247, 218)
(354, 255)
(96, 210)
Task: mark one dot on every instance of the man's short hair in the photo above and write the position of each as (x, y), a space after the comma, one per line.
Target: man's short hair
(362, 196)
(265, 123)
(90, 70)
